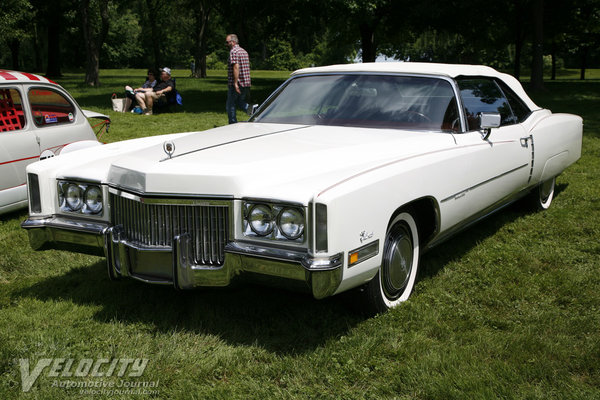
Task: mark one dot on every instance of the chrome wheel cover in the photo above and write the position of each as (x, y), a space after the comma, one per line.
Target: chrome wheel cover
(397, 261)
(546, 190)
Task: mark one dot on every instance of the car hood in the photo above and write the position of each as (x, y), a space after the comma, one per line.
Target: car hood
(285, 162)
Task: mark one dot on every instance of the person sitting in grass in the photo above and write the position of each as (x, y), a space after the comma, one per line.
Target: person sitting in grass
(162, 92)
(130, 92)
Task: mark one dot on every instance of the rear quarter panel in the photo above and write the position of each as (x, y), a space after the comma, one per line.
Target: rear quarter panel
(557, 139)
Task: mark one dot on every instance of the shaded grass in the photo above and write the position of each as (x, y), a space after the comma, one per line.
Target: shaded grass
(508, 309)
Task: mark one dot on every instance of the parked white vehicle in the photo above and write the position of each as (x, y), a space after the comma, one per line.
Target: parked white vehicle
(341, 179)
(38, 120)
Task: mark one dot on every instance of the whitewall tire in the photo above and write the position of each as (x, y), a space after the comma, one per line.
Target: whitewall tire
(395, 280)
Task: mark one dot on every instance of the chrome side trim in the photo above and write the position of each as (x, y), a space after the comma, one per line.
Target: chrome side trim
(461, 226)
(463, 192)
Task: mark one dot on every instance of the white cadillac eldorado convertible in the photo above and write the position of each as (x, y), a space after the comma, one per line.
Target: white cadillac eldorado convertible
(341, 179)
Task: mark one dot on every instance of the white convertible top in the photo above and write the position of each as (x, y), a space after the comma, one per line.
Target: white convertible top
(449, 70)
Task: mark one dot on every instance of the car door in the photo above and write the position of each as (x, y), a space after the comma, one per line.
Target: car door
(491, 170)
(58, 120)
(18, 145)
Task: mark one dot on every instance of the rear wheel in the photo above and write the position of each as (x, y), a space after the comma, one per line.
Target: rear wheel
(395, 280)
(542, 196)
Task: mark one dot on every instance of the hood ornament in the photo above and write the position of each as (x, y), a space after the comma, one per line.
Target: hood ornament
(169, 148)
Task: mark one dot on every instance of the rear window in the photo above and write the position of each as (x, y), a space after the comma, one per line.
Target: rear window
(49, 107)
(11, 111)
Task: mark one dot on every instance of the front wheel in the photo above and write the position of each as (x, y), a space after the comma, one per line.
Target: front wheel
(395, 279)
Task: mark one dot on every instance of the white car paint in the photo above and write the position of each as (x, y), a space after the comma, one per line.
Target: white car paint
(364, 176)
(19, 148)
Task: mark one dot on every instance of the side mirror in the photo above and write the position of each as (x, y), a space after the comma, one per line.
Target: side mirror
(487, 121)
(254, 108)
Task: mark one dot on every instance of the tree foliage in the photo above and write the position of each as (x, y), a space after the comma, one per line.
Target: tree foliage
(35, 34)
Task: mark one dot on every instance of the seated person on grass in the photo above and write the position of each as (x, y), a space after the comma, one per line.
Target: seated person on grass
(130, 92)
(162, 92)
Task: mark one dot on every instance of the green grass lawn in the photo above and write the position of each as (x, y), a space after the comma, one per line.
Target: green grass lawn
(508, 309)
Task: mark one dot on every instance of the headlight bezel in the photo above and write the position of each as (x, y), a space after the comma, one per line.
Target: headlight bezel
(84, 189)
(276, 234)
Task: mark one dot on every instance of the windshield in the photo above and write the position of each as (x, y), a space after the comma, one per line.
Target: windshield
(377, 101)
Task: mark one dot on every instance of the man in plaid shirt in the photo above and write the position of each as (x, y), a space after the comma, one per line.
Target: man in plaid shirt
(238, 78)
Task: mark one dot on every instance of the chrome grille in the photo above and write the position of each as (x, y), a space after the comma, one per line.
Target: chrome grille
(149, 225)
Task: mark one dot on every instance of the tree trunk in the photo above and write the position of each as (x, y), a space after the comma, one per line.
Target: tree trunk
(367, 35)
(93, 41)
(91, 51)
(153, 11)
(14, 46)
(37, 50)
(518, 39)
(201, 16)
(584, 55)
(553, 54)
(537, 62)
(54, 27)
(518, 50)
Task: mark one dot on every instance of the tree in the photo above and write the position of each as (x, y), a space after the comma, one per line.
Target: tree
(154, 8)
(15, 18)
(93, 35)
(53, 13)
(365, 20)
(201, 9)
(585, 32)
(537, 59)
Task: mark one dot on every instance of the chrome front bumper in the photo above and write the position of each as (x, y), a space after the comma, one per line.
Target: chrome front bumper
(177, 265)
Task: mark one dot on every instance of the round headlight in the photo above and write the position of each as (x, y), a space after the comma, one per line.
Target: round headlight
(291, 223)
(93, 199)
(73, 197)
(260, 219)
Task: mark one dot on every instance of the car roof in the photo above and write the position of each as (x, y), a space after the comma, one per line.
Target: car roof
(21, 77)
(416, 68)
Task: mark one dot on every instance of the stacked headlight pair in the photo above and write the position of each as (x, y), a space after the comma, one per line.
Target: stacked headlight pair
(83, 198)
(274, 221)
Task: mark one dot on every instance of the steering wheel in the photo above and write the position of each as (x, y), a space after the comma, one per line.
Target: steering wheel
(415, 116)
